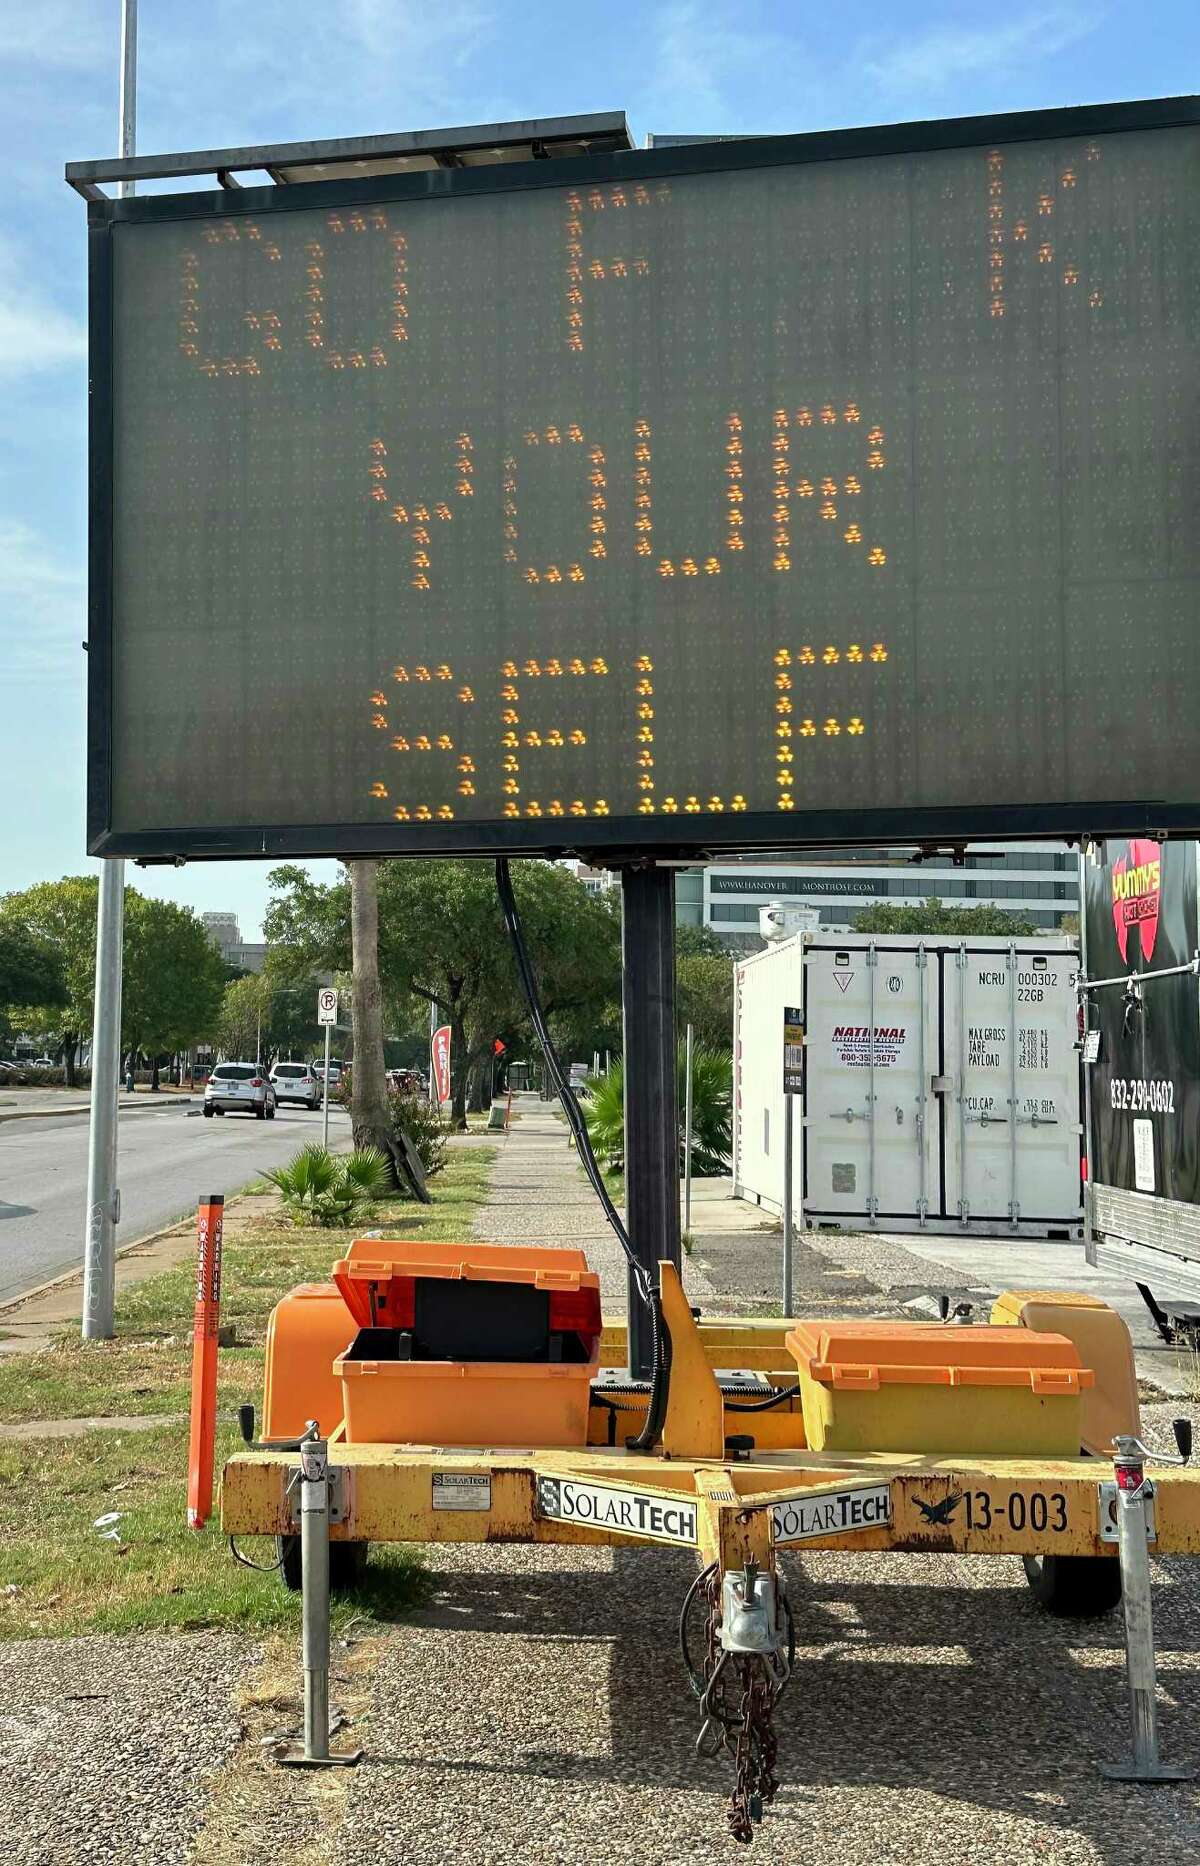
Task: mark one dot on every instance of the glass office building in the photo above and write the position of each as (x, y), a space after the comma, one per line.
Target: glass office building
(1037, 882)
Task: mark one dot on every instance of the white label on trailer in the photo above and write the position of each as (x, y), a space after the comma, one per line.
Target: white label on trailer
(462, 1490)
(654, 1514)
(1143, 1156)
(830, 1513)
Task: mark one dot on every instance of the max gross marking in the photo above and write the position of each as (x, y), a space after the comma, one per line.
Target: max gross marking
(652, 1514)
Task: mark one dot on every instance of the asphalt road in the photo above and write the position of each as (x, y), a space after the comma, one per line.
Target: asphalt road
(168, 1158)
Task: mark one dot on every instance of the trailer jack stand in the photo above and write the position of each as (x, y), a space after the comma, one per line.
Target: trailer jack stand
(313, 1480)
(1134, 1492)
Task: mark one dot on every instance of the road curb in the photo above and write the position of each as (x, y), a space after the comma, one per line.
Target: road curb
(75, 1276)
(58, 1114)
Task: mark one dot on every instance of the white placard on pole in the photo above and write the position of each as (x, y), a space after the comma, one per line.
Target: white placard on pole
(327, 1003)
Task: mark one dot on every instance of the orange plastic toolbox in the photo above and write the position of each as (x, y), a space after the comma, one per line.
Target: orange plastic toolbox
(468, 1344)
(925, 1387)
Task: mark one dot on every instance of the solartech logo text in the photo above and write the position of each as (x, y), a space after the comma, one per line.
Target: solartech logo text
(1136, 889)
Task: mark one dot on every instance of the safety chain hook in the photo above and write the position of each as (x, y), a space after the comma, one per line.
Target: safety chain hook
(739, 1681)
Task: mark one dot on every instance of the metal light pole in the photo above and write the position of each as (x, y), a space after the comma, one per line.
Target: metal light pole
(103, 1197)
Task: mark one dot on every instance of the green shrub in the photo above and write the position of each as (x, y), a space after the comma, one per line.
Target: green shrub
(322, 1188)
(420, 1120)
(712, 1111)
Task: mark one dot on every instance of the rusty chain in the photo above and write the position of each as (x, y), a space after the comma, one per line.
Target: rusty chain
(738, 1692)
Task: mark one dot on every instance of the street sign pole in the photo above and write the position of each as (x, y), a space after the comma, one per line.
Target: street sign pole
(103, 1198)
(327, 1010)
(325, 1096)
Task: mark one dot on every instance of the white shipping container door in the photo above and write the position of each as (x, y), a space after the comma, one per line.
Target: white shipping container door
(763, 985)
(1012, 1122)
(871, 1047)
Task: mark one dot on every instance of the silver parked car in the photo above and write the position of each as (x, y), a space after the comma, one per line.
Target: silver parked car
(239, 1088)
(296, 1082)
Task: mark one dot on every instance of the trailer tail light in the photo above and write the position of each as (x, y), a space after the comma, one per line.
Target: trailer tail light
(575, 1312)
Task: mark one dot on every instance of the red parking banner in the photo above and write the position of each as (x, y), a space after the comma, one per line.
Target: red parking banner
(210, 1219)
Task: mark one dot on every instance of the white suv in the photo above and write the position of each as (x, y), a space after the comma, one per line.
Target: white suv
(296, 1082)
(239, 1088)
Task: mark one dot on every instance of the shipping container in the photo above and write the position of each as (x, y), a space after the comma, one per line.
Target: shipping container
(1142, 1064)
(941, 1083)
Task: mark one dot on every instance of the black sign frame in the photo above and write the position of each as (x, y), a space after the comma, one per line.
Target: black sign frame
(649, 837)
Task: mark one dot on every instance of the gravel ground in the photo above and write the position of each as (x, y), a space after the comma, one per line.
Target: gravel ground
(537, 1711)
(108, 1746)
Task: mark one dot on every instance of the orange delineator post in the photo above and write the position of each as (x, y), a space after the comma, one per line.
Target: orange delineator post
(210, 1219)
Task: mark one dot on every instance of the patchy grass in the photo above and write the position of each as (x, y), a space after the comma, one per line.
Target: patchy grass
(60, 1575)
(147, 1367)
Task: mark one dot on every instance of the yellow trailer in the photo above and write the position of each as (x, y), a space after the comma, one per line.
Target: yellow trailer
(735, 1480)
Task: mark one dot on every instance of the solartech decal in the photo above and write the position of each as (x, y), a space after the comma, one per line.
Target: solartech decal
(1136, 894)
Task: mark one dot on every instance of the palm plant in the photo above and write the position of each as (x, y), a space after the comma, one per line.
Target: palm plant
(712, 1111)
(322, 1188)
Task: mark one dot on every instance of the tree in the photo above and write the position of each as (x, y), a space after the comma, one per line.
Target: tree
(370, 1115)
(172, 973)
(237, 1024)
(31, 970)
(704, 996)
(61, 918)
(442, 940)
(934, 917)
(173, 979)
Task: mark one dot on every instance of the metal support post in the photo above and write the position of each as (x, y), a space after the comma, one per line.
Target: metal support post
(1133, 1494)
(103, 1197)
(788, 1233)
(313, 1479)
(651, 1119)
(687, 1130)
(325, 1092)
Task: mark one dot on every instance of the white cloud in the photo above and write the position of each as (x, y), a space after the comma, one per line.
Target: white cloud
(34, 333)
(43, 610)
(701, 64)
(57, 35)
(931, 61)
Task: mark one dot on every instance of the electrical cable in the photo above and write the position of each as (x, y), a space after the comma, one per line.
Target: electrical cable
(764, 1405)
(660, 1373)
(259, 1567)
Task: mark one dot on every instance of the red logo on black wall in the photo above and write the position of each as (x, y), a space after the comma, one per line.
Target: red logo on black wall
(1136, 888)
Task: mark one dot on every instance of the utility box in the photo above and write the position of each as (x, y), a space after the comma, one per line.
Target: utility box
(913, 1386)
(942, 1083)
(467, 1344)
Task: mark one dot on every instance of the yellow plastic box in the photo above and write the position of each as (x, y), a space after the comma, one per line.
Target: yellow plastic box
(925, 1387)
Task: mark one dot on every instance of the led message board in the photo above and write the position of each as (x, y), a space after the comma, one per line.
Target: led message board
(704, 497)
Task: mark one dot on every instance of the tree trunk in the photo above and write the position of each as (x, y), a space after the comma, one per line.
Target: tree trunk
(370, 1115)
(460, 1064)
(69, 1050)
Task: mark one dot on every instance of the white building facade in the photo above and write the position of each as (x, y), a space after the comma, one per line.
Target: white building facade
(1037, 882)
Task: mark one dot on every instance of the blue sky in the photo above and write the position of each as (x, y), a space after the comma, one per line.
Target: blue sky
(252, 71)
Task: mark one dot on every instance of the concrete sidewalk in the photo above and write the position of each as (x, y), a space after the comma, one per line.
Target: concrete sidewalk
(539, 1195)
